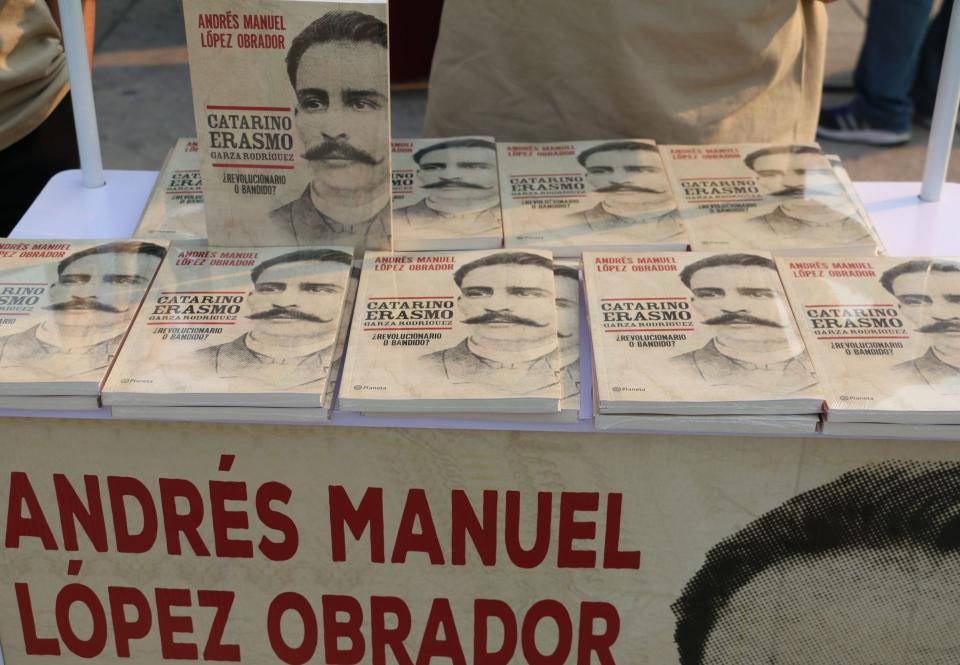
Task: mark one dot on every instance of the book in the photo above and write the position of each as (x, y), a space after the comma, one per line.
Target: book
(695, 334)
(446, 194)
(844, 177)
(292, 105)
(460, 332)
(577, 196)
(567, 280)
(786, 199)
(65, 308)
(174, 210)
(800, 424)
(884, 334)
(241, 327)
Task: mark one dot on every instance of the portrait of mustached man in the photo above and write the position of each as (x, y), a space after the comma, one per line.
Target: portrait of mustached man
(294, 307)
(96, 294)
(635, 195)
(755, 344)
(928, 293)
(461, 196)
(507, 300)
(337, 67)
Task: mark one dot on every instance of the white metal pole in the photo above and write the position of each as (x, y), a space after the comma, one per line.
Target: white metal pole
(81, 92)
(944, 116)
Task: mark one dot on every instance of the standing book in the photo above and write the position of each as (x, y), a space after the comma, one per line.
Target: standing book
(65, 308)
(236, 327)
(292, 105)
(446, 194)
(695, 334)
(786, 199)
(460, 332)
(580, 196)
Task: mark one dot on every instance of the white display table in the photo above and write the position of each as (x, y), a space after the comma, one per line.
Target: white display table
(630, 518)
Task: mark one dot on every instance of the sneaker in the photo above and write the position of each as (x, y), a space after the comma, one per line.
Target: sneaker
(842, 124)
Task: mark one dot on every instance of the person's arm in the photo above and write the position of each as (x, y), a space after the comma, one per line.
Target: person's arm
(89, 21)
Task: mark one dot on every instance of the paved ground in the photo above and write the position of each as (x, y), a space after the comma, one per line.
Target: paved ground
(142, 87)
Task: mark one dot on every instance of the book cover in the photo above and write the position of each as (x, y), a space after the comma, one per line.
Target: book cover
(292, 104)
(65, 308)
(174, 210)
(780, 198)
(884, 333)
(695, 332)
(235, 327)
(578, 196)
(454, 331)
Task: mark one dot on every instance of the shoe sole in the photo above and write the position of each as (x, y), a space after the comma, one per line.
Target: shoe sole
(868, 136)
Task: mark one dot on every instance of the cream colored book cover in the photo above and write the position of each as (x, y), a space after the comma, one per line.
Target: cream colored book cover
(779, 198)
(461, 331)
(292, 105)
(446, 194)
(175, 208)
(587, 195)
(884, 333)
(235, 327)
(695, 333)
(65, 307)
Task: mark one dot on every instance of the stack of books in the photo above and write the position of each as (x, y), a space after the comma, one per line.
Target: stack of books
(236, 334)
(884, 335)
(785, 199)
(65, 309)
(696, 341)
(438, 333)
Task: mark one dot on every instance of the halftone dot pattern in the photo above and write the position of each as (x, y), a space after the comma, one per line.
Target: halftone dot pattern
(868, 562)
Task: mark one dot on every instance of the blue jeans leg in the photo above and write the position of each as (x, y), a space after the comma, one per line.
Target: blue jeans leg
(888, 62)
(928, 67)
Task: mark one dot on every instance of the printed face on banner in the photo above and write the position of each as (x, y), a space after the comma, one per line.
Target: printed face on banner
(765, 594)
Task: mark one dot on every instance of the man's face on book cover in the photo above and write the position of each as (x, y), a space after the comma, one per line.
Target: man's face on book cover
(459, 175)
(740, 303)
(298, 299)
(930, 303)
(509, 302)
(626, 177)
(342, 105)
(806, 176)
(101, 291)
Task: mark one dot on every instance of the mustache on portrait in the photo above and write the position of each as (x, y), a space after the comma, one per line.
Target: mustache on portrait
(610, 189)
(503, 317)
(453, 184)
(941, 325)
(286, 313)
(332, 149)
(796, 192)
(83, 304)
(734, 317)
(563, 336)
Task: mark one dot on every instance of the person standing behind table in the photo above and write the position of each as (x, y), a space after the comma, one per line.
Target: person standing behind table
(897, 75)
(37, 135)
(685, 71)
